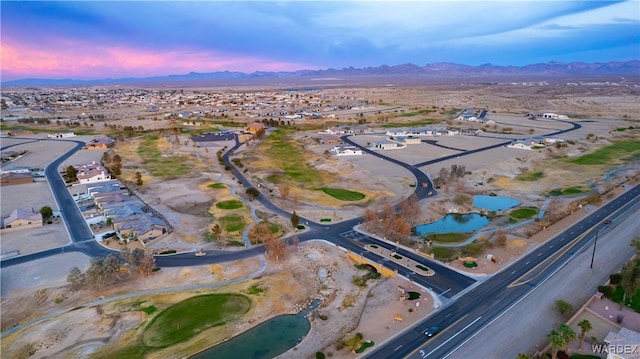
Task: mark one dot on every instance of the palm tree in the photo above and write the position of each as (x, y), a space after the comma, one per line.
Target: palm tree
(585, 327)
(557, 342)
(568, 335)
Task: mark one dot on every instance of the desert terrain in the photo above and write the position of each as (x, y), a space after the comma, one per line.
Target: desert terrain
(187, 202)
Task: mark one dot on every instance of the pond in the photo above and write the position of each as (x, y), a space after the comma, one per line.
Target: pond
(494, 203)
(454, 223)
(266, 340)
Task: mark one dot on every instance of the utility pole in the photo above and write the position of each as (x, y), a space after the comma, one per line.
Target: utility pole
(595, 243)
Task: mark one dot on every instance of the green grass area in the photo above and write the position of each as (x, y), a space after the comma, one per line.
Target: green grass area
(343, 194)
(230, 204)
(470, 264)
(397, 256)
(232, 223)
(413, 295)
(149, 310)
(168, 251)
(584, 356)
(158, 165)
(287, 156)
(254, 289)
(533, 176)
(445, 253)
(188, 318)
(217, 185)
(364, 346)
(455, 237)
(416, 113)
(325, 219)
(235, 243)
(300, 227)
(421, 267)
(620, 150)
(407, 124)
(568, 191)
(229, 123)
(522, 213)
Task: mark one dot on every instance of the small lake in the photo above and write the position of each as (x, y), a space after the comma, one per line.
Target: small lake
(454, 223)
(266, 340)
(494, 203)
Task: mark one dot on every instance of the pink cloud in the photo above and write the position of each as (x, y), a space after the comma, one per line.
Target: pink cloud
(83, 60)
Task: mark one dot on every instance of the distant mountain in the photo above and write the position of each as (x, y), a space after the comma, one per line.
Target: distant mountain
(438, 70)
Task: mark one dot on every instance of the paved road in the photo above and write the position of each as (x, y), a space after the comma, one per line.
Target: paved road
(487, 300)
(81, 237)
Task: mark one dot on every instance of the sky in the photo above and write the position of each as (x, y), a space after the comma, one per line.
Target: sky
(109, 39)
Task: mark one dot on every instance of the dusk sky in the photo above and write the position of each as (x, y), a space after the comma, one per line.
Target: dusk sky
(93, 40)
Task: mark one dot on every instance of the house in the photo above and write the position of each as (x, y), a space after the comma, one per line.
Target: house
(103, 188)
(519, 144)
(19, 132)
(11, 178)
(551, 140)
(396, 133)
(98, 144)
(339, 130)
(212, 139)
(23, 218)
(410, 140)
(388, 145)
(346, 151)
(327, 139)
(61, 135)
(91, 173)
(254, 127)
(623, 344)
(144, 227)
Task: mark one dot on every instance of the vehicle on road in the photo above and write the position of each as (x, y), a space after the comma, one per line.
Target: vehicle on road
(432, 331)
(607, 222)
(200, 254)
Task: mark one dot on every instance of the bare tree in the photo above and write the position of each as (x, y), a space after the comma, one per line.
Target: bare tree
(501, 239)
(147, 264)
(259, 232)
(284, 192)
(276, 248)
(75, 278)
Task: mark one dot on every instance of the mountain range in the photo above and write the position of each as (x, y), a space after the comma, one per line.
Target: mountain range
(440, 70)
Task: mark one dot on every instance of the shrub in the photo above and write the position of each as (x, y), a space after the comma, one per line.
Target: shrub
(615, 278)
(606, 290)
(319, 355)
(563, 307)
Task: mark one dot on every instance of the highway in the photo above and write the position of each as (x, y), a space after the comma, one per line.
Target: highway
(477, 307)
(468, 305)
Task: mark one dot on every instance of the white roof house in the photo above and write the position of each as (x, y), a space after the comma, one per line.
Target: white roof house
(346, 151)
(520, 145)
(92, 172)
(389, 145)
(410, 140)
(623, 345)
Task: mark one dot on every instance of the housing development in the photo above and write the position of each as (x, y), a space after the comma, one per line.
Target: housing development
(414, 221)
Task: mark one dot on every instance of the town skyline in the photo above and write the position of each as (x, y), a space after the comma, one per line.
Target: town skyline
(94, 40)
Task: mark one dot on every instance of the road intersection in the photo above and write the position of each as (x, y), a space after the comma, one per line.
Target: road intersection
(469, 304)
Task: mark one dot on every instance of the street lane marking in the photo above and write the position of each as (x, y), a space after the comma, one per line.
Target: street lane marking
(398, 347)
(453, 336)
(441, 332)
